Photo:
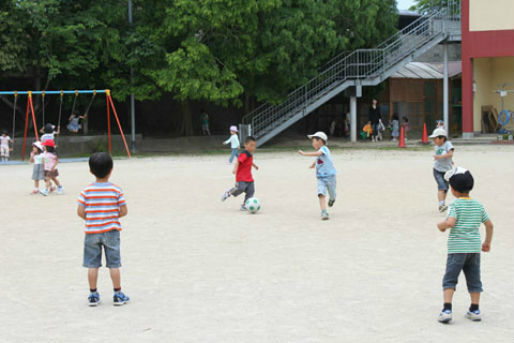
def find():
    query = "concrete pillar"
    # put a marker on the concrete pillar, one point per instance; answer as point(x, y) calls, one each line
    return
point(353, 118)
point(446, 91)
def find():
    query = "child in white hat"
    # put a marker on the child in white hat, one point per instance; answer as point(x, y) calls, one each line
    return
point(442, 163)
point(234, 143)
point(325, 171)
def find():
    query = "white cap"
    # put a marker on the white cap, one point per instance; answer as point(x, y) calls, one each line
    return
point(38, 145)
point(319, 134)
point(439, 132)
point(456, 170)
point(233, 128)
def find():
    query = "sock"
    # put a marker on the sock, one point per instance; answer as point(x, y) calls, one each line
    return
point(447, 306)
point(441, 202)
point(473, 307)
point(117, 289)
point(92, 290)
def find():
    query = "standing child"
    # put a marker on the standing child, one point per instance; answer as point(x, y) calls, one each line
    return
point(50, 166)
point(101, 205)
point(464, 243)
point(243, 172)
point(234, 143)
point(325, 171)
point(395, 126)
point(4, 146)
point(442, 163)
point(38, 172)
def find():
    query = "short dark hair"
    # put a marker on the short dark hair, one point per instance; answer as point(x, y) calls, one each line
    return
point(249, 139)
point(443, 137)
point(462, 183)
point(100, 164)
point(49, 128)
point(51, 149)
point(319, 139)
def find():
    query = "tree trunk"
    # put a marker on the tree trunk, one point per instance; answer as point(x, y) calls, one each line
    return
point(186, 120)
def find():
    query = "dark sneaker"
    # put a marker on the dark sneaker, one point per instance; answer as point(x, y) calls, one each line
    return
point(331, 202)
point(442, 208)
point(120, 299)
point(93, 299)
point(445, 316)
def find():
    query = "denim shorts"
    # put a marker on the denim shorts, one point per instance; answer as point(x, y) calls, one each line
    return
point(93, 245)
point(327, 184)
point(442, 184)
point(469, 263)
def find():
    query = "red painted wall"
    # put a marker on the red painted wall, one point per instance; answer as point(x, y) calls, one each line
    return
point(477, 44)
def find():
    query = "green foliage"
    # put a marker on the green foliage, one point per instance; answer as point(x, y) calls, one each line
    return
point(210, 50)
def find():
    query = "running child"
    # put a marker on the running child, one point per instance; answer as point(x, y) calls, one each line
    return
point(243, 172)
point(37, 158)
point(464, 243)
point(101, 205)
point(325, 171)
point(5, 148)
point(442, 163)
point(234, 143)
point(50, 161)
point(49, 132)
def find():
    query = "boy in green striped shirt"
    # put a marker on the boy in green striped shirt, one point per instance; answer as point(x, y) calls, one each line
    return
point(465, 217)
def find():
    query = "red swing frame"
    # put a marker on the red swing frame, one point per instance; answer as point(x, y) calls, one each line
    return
point(110, 105)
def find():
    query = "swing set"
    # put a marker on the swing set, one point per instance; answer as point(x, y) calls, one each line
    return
point(61, 93)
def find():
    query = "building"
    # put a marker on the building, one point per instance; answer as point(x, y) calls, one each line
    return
point(487, 60)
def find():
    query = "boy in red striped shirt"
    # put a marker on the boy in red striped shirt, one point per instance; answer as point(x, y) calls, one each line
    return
point(101, 205)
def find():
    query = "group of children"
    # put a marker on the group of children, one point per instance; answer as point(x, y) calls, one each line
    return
point(464, 219)
point(45, 160)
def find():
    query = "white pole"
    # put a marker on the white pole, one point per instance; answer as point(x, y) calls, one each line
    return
point(445, 89)
point(353, 118)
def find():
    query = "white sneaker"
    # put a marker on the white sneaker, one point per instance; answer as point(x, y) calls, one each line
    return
point(474, 316)
point(44, 192)
point(324, 215)
point(225, 196)
point(445, 316)
point(60, 189)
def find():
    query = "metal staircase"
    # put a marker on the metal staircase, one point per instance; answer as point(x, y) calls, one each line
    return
point(362, 67)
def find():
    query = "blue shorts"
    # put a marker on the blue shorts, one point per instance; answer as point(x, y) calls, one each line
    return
point(442, 184)
point(327, 184)
point(93, 245)
point(469, 263)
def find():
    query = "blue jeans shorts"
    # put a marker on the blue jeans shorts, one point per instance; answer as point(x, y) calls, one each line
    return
point(442, 184)
point(327, 184)
point(108, 241)
point(469, 263)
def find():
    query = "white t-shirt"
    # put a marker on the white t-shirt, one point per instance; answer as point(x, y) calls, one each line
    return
point(234, 141)
point(4, 141)
point(38, 159)
point(47, 136)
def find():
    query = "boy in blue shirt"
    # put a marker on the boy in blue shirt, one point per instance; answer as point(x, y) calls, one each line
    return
point(325, 171)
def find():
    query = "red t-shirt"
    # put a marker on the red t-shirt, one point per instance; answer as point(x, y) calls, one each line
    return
point(244, 169)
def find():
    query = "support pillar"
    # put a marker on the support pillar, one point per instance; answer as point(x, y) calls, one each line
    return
point(353, 118)
point(446, 91)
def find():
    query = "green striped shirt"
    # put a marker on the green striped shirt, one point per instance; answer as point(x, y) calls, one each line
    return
point(465, 235)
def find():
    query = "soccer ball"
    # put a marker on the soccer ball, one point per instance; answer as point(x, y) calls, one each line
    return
point(253, 205)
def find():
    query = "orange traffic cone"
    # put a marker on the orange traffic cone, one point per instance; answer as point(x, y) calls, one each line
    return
point(424, 138)
point(401, 143)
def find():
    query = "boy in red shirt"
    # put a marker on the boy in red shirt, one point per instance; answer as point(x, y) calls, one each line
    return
point(243, 172)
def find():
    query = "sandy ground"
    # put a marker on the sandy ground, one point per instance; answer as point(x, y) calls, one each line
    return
point(199, 270)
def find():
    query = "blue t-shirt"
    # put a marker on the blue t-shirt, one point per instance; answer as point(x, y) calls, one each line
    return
point(324, 164)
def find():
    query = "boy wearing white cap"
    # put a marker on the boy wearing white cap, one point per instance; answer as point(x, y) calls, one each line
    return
point(442, 163)
point(325, 171)
point(234, 143)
